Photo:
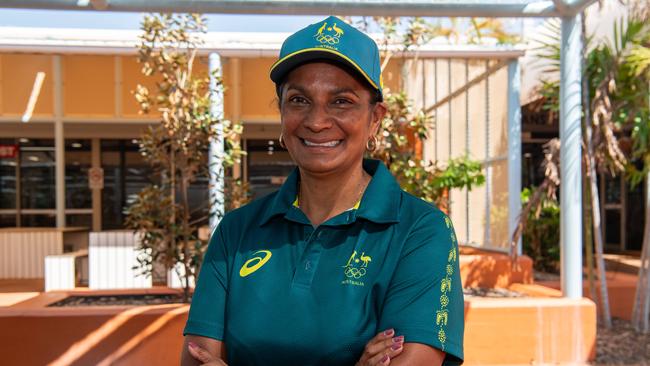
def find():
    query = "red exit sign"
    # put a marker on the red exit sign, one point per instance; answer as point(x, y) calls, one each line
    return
point(8, 151)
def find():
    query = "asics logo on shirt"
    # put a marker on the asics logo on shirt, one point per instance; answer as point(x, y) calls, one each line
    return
point(260, 258)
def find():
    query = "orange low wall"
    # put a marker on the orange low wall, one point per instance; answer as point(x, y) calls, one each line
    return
point(529, 331)
point(621, 288)
point(490, 270)
point(498, 331)
point(146, 335)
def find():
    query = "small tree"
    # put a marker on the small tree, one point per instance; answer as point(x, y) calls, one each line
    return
point(177, 147)
point(430, 181)
point(403, 126)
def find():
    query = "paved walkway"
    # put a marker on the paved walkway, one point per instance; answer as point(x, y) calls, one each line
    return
point(628, 263)
point(19, 290)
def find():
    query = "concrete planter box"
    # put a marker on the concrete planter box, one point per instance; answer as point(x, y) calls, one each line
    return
point(541, 329)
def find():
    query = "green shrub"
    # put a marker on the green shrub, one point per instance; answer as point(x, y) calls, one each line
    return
point(541, 237)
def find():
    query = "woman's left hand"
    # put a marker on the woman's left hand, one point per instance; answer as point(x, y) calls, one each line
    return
point(204, 356)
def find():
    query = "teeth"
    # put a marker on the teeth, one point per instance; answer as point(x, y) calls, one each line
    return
point(324, 144)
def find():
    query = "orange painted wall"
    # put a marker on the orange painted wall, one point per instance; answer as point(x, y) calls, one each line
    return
point(258, 100)
point(17, 74)
point(88, 85)
point(131, 77)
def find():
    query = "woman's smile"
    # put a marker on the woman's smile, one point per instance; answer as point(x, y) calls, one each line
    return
point(327, 143)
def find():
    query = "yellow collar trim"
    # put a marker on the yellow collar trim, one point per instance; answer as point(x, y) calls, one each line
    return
point(296, 203)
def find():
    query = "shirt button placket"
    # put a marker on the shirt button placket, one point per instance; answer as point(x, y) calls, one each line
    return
point(310, 257)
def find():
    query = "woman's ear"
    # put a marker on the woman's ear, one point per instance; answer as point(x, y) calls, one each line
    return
point(378, 114)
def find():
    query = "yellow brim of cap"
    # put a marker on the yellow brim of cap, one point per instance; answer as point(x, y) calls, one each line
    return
point(319, 49)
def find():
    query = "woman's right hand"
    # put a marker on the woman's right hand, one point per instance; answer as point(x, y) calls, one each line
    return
point(381, 349)
point(204, 356)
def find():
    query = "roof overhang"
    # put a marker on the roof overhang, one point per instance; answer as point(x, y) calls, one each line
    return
point(227, 44)
point(423, 8)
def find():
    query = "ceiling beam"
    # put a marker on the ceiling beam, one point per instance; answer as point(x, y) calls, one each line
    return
point(425, 8)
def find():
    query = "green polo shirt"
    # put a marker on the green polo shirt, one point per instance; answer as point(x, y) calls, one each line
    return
point(279, 291)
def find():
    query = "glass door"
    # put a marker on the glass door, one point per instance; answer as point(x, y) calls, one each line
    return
point(613, 192)
point(267, 165)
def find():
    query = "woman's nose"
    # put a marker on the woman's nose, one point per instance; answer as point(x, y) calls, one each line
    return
point(318, 118)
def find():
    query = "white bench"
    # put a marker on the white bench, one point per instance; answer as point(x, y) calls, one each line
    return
point(112, 256)
point(66, 271)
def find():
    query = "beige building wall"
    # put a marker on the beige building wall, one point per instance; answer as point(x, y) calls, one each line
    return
point(469, 121)
point(98, 102)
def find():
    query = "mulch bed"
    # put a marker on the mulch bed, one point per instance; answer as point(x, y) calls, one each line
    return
point(156, 299)
point(622, 345)
point(491, 292)
point(96, 300)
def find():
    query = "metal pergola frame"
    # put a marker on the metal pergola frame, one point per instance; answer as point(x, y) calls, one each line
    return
point(570, 81)
point(424, 8)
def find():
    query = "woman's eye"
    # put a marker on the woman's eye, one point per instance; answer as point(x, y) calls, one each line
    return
point(299, 100)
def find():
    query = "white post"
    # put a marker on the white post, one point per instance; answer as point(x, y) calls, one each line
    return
point(216, 154)
point(514, 149)
point(59, 142)
point(570, 158)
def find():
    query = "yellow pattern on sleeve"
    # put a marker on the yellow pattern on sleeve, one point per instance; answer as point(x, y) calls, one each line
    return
point(445, 286)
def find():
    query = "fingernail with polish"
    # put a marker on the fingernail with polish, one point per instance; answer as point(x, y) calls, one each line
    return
point(398, 339)
point(396, 346)
point(192, 344)
point(384, 359)
point(389, 332)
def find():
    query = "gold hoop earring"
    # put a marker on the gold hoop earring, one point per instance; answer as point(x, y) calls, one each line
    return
point(281, 139)
point(371, 144)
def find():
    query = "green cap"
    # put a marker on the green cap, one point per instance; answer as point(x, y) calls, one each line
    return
point(330, 39)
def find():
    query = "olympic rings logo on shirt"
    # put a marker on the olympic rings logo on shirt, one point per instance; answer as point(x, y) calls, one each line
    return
point(353, 272)
point(326, 38)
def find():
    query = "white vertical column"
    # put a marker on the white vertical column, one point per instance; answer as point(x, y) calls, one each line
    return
point(59, 141)
point(216, 154)
point(435, 112)
point(514, 148)
point(234, 95)
point(570, 158)
point(488, 164)
point(96, 162)
point(117, 85)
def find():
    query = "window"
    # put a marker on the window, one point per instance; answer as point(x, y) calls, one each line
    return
point(77, 163)
point(125, 174)
point(8, 165)
point(37, 174)
point(268, 166)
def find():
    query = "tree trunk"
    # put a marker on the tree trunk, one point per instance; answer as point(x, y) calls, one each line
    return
point(598, 232)
point(595, 201)
point(588, 228)
point(171, 262)
point(641, 309)
point(186, 240)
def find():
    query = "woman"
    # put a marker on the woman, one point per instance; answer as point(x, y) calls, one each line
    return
point(340, 266)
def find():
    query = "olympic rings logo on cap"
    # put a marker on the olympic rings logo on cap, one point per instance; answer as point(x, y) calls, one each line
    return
point(326, 38)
